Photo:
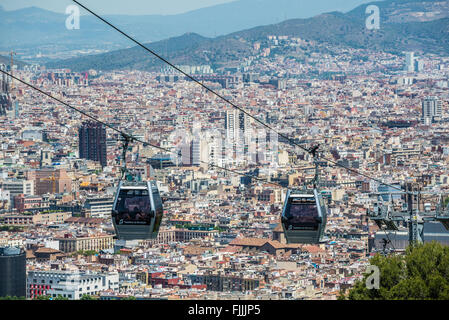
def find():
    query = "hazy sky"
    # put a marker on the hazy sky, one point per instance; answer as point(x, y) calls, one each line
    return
point(130, 7)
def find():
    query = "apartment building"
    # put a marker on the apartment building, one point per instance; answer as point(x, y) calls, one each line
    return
point(71, 285)
point(182, 235)
point(96, 242)
point(17, 187)
point(24, 202)
point(40, 218)
point(98, 207)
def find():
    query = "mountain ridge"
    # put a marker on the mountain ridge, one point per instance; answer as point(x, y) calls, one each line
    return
point(347, 29)
point(35, 28)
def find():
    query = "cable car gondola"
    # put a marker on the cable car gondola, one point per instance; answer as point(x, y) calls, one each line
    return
point(304, 215)
point(137, 210)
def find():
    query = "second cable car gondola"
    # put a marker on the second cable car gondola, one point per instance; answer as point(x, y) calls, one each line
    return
point(304, 215)
point(137, 210)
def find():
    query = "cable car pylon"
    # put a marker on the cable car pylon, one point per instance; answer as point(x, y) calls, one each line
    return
point(388, 219)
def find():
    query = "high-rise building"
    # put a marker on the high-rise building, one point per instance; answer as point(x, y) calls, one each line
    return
point(238, 135)
point(4, 79)
point(12, 272)
point(419, 65)
point(236, 124)
point(432, 110)
point(194, 152)
point(16, 110)
point(5, 98)
point(186, 154)
point(215, 149)
point(410, 61)
point(92, 142)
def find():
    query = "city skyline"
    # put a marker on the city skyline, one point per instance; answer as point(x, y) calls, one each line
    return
point(267, 164)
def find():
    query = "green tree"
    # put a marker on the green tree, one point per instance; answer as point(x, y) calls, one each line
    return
point(421, 274)
point(87, 252)
point(12, 298)
point(11, 228)
point(43, 298)
point(87, 297)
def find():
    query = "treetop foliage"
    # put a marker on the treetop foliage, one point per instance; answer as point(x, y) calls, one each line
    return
point(421, 274)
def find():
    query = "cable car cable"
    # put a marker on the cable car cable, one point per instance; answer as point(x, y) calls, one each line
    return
point(131, 138)
point(226, 100)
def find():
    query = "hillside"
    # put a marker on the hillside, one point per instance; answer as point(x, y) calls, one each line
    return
point(7, 61)
point(38, 29)
point(333, 28)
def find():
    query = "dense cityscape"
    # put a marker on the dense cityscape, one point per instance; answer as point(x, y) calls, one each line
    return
point(221, 237)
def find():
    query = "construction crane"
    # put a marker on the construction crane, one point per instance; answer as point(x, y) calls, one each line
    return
point(53, 179)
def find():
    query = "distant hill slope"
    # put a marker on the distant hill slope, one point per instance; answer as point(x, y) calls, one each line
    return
point(334, 28)
point(35, 27)
point(400, 11)
point(7, 61)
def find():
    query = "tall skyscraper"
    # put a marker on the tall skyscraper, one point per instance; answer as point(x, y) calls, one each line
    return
point(419, 65)
point(92, 142)
point(5, 98)
point(432, 110)
point(194, 152)
point(12, 272)
point(410, 61)
point(236, 124)
point(238, 134)
point(16, 109)
point(186, 152)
